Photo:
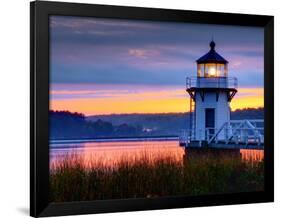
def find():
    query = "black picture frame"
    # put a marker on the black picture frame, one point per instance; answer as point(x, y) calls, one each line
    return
point(39, 107)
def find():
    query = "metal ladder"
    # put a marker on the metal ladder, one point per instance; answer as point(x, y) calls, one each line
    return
point(192, 118)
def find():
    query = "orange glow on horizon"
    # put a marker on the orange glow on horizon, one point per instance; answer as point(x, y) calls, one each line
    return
point(248, 98)
point(171, 101)
point(105, 106)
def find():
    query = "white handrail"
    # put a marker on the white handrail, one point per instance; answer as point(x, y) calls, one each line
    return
point(236, 131)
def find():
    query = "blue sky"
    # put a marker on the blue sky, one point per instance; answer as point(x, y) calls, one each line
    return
point(105, 66)
point(111, 51)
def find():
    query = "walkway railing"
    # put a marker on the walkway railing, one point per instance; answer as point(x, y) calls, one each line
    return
point(211, 82)
point(243, 132)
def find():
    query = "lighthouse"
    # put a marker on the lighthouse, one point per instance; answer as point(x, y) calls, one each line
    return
point(211, 92)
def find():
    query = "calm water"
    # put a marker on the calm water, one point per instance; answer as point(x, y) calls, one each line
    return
point(111, 152)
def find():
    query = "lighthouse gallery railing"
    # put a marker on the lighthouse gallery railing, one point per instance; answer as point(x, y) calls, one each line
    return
point(243, 132)
point(211, 82)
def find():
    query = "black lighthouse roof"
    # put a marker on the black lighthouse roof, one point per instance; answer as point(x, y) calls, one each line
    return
point(212, 56)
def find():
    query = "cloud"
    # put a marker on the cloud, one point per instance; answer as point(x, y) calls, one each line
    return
point(87, 50)
point(113, 91)
point(111, 98)
point(143, 53)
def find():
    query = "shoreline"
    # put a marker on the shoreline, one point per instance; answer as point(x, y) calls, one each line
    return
point(117, 139)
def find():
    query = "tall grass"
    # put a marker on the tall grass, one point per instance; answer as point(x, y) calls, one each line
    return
point(70, 180)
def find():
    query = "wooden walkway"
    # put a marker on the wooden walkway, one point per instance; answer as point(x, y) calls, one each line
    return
point(235, 134)
point(224, 146)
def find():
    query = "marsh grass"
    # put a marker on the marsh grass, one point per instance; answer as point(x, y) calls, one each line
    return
point(144, 177)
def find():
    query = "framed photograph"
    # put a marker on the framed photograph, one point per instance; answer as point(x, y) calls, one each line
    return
point(142, 109)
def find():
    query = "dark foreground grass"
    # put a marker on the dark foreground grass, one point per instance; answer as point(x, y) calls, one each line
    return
point(70, 181)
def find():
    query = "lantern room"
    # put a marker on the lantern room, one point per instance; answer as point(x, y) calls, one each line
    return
point(210, 95)
point(212, 64)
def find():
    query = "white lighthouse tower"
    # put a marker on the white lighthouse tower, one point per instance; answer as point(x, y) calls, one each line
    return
point(210, 92)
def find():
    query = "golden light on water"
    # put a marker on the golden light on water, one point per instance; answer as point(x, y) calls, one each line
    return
point(109, 154)
point(255, 155)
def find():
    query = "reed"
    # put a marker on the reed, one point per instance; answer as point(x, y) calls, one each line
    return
point(70, 180)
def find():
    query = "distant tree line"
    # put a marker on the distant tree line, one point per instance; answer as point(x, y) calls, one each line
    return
point(248, 113)
point(68, 125)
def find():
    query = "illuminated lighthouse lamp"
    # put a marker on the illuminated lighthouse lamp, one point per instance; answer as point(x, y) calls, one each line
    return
point(212, 64)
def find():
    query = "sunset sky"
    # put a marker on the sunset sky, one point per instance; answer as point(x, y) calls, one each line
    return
point(106, 66)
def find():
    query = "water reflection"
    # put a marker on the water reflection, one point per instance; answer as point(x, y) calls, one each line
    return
point(108, 154)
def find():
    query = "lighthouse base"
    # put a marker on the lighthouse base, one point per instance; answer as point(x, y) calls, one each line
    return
point(197, 144)
point(211, 153)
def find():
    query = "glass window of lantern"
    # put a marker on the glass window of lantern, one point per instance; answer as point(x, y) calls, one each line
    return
point(200, 70)
point(221, 70)
point(210, 70)
point(225, 70)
